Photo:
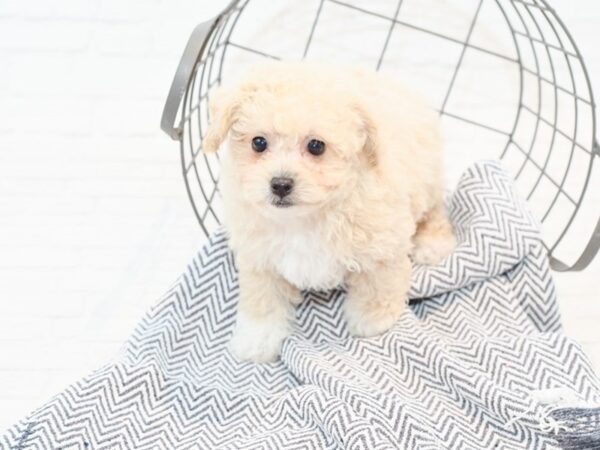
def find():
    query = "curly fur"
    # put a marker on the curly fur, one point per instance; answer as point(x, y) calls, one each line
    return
point(359, 212)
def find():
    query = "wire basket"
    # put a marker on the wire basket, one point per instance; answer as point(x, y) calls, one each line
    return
point(505, 75)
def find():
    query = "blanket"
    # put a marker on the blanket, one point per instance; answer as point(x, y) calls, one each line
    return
point(478, 360)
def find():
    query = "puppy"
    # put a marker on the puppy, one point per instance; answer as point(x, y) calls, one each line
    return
point(329, 177)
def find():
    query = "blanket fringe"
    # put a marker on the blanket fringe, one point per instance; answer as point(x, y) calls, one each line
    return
point(563, 414)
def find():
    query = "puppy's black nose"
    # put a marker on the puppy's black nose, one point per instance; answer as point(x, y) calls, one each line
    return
point(281, 186)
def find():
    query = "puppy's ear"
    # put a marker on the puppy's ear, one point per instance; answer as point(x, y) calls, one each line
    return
point(222, 107)
point(369, 131)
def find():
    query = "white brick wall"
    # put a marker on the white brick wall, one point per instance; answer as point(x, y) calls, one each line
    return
point(94, 220)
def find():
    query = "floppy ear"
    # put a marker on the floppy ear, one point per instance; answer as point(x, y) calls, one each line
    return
point(222, 108)
point(369, 131)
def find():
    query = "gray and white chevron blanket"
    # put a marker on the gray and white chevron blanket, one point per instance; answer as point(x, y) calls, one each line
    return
point(479, 360)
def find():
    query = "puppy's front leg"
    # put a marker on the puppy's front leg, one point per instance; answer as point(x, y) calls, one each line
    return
point(377, 298)
point(264, 313)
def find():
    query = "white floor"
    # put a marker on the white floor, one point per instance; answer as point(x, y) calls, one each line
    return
point(94, 220)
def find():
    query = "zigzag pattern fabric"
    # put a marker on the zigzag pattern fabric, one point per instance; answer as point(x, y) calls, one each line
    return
point(459, 370)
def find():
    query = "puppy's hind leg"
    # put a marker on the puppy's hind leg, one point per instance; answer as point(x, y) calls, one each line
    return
point(264, 313)
point(434, 238)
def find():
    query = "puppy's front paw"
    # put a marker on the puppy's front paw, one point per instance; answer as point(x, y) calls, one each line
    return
point(366, 320)
point(433, 251)
point(258, 340)
point(376, 299)
point(434, 239)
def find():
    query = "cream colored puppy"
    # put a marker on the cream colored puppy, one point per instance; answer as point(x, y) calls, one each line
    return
point(329, 177)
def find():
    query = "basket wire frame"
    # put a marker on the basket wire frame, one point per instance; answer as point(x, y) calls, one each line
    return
point(535, 30)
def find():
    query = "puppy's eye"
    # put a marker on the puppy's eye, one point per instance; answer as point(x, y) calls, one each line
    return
point(316, 147)
point(259, 144)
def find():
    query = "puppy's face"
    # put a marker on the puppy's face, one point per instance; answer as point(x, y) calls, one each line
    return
point(295, 144)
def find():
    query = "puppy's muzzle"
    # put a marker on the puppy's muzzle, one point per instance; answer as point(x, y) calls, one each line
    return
point(281, 186)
